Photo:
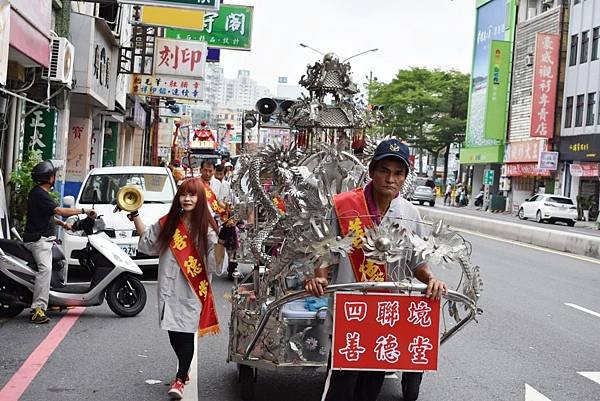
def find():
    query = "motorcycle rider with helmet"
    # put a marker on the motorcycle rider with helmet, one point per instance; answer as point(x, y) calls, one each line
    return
point(39, 233)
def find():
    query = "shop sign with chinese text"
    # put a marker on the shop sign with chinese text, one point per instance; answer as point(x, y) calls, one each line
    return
point(545, 76)
point(40, 132)
point(167, 86)
point(385, 332)
point(207, 5)
point(181, 58)
point(524, 151)
point(78, 152)
point(584, 147)
point(230, 28)
point(584, 170)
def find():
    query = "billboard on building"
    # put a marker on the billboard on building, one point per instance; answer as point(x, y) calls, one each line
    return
point(545, 78)
point(167, 86)
point(40, 131)
point(172, 17)
point(207, 5)
point(490, 25)
point(230, 28)
point(180, 58)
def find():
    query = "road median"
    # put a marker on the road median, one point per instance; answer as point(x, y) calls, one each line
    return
point(579, 244)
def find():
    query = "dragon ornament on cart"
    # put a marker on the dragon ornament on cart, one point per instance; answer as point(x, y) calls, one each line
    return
point(285, 195)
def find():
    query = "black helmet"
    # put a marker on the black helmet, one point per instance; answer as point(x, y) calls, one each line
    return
point(43, 172)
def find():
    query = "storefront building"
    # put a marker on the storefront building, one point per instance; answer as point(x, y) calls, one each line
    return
point(579, 145)
point(536, 99)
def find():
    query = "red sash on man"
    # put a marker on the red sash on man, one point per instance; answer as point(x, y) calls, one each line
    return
point(279, 204)
point(353, 216)
point(192, 267)
point(214, 203)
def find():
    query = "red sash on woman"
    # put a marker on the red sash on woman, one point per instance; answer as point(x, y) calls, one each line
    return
point(192, 267)
point(353, 216)
point(214, 203)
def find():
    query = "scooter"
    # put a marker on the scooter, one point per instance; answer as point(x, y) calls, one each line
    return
point(479, 199)
point(112, 274)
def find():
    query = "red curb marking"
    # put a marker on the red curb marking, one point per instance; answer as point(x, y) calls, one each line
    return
point(19, 382)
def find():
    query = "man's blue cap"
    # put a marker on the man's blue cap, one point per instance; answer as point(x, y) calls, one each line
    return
point(392, 148)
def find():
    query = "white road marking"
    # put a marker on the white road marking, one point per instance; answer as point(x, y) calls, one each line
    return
point(593, 376)
point(525, 245)
point(532, 394)
point(581, 308)
point(190, 392)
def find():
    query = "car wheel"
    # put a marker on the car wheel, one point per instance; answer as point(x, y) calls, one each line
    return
point(521, 214)
point(432, 203)
point(538, 217)
point(570, 223)
point(421, 203)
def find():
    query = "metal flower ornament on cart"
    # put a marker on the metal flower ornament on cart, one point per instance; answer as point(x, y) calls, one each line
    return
point(385, 243)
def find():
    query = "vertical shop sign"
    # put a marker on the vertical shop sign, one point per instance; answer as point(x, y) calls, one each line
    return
point(497, 95)
point(78, 149)
point(40, 132)
point(545, 76)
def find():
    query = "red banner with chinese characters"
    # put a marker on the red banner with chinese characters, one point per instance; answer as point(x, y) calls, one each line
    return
point(526, 170)
point(385, 332)
point(545, 76)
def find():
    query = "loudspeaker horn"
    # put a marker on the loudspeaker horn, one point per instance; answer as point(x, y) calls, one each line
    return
point(266, 106)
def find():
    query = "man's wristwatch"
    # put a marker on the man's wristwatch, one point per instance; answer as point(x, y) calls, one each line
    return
point(82, 211)
point(132, 215)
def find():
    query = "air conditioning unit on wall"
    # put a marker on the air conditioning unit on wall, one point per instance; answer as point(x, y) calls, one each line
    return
point(61, 62)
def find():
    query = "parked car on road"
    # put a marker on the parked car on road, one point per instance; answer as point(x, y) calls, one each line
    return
point(424, 194)
point(100, 188)
point(549, 208)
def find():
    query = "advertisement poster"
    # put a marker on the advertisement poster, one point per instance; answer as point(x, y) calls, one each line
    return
point(548, 161)
point(230, 28)
point(497, 93)
point(545, 78)
point(385, 332)
point(491, 25)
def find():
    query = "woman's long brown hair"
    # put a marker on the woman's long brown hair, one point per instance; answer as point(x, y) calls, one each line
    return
point(201, 217)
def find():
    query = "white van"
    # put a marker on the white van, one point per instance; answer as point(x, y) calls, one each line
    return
point(100, 188)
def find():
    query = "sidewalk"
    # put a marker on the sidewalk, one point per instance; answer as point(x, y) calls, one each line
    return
point(583, 239)
point(582, 227)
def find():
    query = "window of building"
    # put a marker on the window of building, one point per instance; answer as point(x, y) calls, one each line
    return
point(573, 56)
point(585, 41)
point(579, 111)
point(569, 112)
point(595, 43)
point(591, 101)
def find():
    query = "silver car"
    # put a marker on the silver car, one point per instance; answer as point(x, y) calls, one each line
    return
point(424, 194)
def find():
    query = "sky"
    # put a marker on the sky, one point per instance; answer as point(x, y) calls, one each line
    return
point(408, 33)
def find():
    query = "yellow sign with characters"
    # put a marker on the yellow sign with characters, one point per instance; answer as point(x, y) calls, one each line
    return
point(173, 17)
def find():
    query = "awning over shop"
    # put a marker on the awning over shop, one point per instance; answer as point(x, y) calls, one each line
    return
point(584, 170)
point(30, 23)
point(525, 170)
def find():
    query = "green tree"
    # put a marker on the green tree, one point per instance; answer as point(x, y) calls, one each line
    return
point(425, 107)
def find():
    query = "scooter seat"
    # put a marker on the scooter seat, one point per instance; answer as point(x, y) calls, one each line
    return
point(16, 248)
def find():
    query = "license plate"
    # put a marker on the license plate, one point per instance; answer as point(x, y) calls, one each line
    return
point(130, 250)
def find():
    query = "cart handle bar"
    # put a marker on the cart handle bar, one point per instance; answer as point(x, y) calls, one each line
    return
point(404, 286)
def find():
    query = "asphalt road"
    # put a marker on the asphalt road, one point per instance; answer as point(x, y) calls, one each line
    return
point(527, 335)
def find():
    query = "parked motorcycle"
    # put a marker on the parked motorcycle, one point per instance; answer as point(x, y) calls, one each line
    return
point(478, 202)
point(112, 275)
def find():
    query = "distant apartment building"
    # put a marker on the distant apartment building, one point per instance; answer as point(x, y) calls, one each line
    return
point(580, 135)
